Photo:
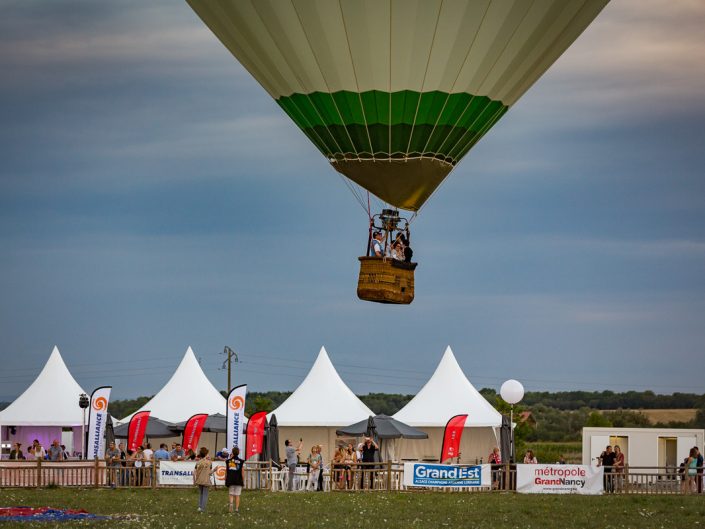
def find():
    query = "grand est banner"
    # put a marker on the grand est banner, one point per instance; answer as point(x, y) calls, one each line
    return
point(435, 475)
point(559, 479)
point(181, 472)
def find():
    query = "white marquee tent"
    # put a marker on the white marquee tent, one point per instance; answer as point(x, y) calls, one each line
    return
point(321, 404)
point(47, 406)
point(447, 393)
point(187, 393)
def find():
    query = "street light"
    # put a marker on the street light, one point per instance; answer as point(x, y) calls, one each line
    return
point(512, 392)
point(83, 403)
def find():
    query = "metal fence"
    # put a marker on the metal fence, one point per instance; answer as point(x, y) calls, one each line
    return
point(382, 476)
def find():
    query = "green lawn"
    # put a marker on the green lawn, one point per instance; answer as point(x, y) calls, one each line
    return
point(176, 508)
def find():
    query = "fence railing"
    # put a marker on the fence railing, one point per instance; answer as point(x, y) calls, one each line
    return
point(378, 476)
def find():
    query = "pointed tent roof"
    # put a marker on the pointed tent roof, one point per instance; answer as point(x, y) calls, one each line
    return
point(447, 393)
point(188, 392)
point(51, 400)
point(322, 399)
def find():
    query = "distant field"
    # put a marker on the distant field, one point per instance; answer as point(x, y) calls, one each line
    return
point(176, 509)
point(656, 416)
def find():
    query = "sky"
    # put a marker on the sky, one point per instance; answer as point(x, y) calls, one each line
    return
point(142, 211)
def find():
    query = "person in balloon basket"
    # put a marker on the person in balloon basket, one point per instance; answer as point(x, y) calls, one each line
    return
point(202, 477)
point(234, 479)
point(378, 244)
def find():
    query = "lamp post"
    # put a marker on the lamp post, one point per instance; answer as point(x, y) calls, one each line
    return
point(512, 392)
point(83, 403)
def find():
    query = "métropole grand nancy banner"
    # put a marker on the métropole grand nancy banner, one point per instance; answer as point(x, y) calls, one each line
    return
point(434, 475)
point(559, 479)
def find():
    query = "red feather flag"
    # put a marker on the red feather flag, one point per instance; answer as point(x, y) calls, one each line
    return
point(136, 429)
point(255, 434)
point(192, 431)
point(451, 437)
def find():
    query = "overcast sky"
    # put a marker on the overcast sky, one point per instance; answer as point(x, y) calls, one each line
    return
point(142, 211)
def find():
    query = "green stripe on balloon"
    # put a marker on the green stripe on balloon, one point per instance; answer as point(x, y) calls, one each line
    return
point(430, 124)
point(433, 123)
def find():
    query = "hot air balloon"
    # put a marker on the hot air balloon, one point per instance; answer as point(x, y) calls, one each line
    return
point(395, 92)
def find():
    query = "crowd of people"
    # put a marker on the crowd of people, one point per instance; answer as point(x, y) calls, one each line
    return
point(345, 465)
point(55, 452)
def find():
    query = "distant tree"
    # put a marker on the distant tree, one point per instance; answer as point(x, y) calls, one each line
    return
point(596, 419)
point(122, 408)
point(699, 421)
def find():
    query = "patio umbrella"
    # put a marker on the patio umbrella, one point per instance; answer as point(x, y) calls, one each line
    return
point(264, 456)
point(505, 439)
point(109, 431)
point(214, 423)
point(273, 439)
point(155, 428)
point(382, 427)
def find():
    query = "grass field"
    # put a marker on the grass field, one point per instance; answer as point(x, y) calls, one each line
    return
point(665, 416)
point(176, 508)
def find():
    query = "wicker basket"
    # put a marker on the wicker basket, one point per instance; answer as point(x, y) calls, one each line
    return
point(384, 280)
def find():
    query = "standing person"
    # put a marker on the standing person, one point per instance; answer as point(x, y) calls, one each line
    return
point(690, 472)
point(699, 478)
point(112, 463)
point(349, 460)
point(177, 454)
point(162, 453)
point(314, 464)
point(618, 469)
point(124, 476)
point(369, 447)
point(337, 472)
point(530, 458)
point(291, 460)
point(37, 450)
point(148, 459)
point(16, 452)
point(495, 459)
point(202, 477)
point(234, 479)
point(138, 462)
point(55, 452)
point(607, 459)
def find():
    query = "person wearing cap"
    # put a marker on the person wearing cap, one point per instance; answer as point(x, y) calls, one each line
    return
point(223, 455)
point(378, 244)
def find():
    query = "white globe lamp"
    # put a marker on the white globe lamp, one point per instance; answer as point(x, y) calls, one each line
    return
point(512, 392)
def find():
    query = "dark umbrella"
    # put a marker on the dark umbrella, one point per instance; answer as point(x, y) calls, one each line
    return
point(382, 427)
point(109, 431)
point(273, 439)
point(505, 439)
point(214, 423)
point(264, 456)
point(155, 428)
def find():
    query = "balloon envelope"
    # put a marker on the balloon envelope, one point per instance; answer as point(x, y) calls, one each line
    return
point(395, 92)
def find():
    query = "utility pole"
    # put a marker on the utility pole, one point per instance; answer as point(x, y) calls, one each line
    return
point(228, 361)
